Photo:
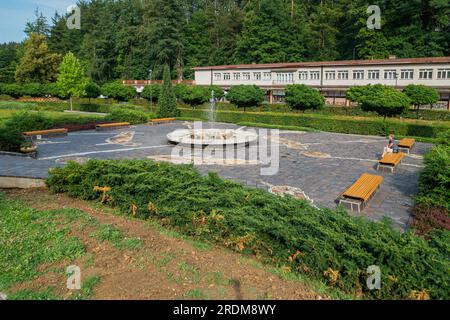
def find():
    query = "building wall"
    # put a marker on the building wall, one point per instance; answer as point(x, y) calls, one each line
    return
point(207, 77)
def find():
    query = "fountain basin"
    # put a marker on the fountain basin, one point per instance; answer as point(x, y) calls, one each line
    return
point(211, 137)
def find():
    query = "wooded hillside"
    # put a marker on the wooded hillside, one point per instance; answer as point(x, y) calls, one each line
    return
point(123, 39)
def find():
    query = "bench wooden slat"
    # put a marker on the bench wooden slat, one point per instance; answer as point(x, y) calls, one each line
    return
point(364, 187)
point(109, 125)
point(392, 159)
point(406, 143)
point(162, 120)
point(44, 132)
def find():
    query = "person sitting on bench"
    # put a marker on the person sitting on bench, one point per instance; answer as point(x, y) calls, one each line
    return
point(391, 145)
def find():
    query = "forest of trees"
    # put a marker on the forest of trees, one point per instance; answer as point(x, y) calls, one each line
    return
point(124, 39)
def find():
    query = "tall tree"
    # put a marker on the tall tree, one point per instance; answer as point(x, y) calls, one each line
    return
point(62, 39)
point(324, 19)
point(38, 63)
point(164, 24)
point(261, 39)
point(167, 102)
point(39, 25)
point(9, 58)
point(72, 79)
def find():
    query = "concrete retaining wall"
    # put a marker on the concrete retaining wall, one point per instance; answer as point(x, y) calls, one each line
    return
point(20, 183)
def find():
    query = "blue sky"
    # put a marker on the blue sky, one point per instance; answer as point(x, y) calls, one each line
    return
point(14, 14)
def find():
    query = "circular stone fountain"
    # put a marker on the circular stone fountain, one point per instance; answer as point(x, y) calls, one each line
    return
point(211, 137)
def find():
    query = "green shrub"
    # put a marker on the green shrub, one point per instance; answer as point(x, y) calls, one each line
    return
point(385, 101)
point(6, 97)
point(33, 90)
point(127, 115)
point(434, 182)
point(301, 97)
point(320, 242)
point(196, 95)
point(432, 205)
point(180, 90)
point(245, 96)
point(421, 95)
point(218, 92)
point(118, 91)
point(28, 121)
point(10, 140)
point(151, 92)
point(92, 90)
point(360, 93)
point(53, 90)
point(13, 90)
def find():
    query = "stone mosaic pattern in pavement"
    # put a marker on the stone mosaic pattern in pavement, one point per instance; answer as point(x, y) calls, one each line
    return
point(321, 164)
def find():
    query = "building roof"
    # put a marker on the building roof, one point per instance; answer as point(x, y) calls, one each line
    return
point(343, 63)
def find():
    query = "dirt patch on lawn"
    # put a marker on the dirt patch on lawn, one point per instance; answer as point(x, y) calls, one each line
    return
point(163, 266)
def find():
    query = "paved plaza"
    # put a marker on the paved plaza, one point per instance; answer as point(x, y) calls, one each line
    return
point(320, 164)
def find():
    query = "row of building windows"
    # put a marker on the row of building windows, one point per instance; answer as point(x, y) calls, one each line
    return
point(288, 77)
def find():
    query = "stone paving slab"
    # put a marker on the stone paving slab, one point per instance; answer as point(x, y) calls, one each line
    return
point(321, 164)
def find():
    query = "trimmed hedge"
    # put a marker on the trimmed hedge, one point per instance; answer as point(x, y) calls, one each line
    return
point(321, 243)
point(365, 126)
point(30, 121)
point(423, 114)
point(432, 207)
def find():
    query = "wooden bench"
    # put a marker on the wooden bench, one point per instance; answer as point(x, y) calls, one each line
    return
point(390, 160)
point(361, 191)
point(406, 144)
point(39, 134)
point(111, 126)
point(162, 120)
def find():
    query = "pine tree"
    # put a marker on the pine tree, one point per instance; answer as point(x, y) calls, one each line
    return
point(39, 25)
point(167, 104)
point(8, 61)
point(261, 39)
point(37, 64)
point(164, 25)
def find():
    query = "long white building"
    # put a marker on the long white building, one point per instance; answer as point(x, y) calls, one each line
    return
point(332, 78)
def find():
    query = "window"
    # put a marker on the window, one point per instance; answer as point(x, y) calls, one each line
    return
point(330, 75)
point(217, 76)
point(406, 74)
point(343, 75)
point(236, 76)
point(358, 74)
point(246, 76)
point(226, 76)
point(267, 76)
point(443, 74)
point(303, 75)
point(257, 75)
point(390, 74)
point(425, 74)
point(314, 75)
point(373, 74)
point(285, 77)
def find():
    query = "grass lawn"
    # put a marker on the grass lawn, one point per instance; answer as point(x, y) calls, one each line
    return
point(38, 245)
point(30, 239)
point(4, 114)
point(122, 257)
